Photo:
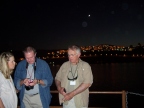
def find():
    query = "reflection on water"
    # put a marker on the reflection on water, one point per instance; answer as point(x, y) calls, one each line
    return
point(114, 76)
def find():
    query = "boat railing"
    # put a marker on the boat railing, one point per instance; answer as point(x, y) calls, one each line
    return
point(122, 93)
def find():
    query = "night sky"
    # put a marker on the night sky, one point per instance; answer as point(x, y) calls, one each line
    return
point(55, 24)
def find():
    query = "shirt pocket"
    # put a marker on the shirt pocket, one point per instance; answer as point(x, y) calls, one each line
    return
point(39, 74)
point(80, 75)
point(64, 73)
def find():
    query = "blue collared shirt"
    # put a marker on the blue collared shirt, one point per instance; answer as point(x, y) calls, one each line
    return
point(42, 72)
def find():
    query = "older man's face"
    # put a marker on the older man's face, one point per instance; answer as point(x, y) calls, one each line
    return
point(30, 57)
point(73, 56)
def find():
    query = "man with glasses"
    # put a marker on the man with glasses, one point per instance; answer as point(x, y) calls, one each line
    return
point(73, 80)
point(33, 79)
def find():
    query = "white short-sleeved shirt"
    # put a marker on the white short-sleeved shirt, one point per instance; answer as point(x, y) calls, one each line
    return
point(8, 92)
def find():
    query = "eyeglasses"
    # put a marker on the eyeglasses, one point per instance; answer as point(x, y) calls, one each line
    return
point(72, 55)
point(74, 78)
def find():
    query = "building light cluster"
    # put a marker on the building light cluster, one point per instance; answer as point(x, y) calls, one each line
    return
point(97, 50)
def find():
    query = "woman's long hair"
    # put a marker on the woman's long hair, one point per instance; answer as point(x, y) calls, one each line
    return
point(4, 58)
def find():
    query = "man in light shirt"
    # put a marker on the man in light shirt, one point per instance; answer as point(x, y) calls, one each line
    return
point(73, 80)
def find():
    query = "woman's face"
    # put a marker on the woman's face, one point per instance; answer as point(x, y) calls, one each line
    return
point(11, 63)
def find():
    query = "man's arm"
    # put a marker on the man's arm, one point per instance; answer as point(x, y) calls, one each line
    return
point(59, 88)
point(58, 84)
point(47, 78)
point(17, 80)
point(81, 88)
point(78, 90)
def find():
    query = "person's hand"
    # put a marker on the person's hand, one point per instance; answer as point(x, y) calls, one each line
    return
point(61, 91)
point(26, 82)
point(68, 96)
point(33, 82)
point(16, 90)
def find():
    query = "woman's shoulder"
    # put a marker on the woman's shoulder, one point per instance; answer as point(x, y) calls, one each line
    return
point(1, 73)
point(1, 76)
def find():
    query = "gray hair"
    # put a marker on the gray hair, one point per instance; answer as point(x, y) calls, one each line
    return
point(76, 48)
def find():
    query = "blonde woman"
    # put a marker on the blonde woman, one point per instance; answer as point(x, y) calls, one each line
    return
point(8, 97)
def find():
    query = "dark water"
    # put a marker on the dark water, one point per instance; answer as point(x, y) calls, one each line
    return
point(113, 77)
